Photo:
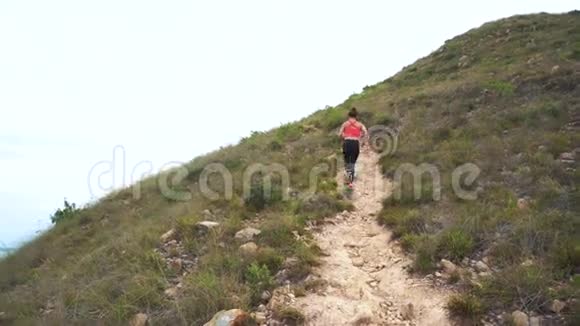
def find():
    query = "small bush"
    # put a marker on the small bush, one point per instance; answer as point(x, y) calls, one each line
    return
point(505, 253)
point(330, 118)
point(465, 306)
point(260, 196)
point(454, 277)
point(403, 221)
point(68, 212)
point(525, 286)
point(503, 88)
point(404, 191)
point(424, 261)
point(271, 258)
point(185, 226)
point(320, 206)
point(259, 279)
point(307, 257)
point(289, 315)
point(288, 132)
point(455, 244)
point(409, 242)
point(223, 262)
point(277, 232)
point(206, 293)
point(275, 146)
point(565, 255)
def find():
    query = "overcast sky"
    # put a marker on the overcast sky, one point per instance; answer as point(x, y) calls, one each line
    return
point(169, 80)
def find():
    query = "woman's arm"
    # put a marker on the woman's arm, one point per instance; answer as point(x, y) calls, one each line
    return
point(341, 129)
point(365, 134)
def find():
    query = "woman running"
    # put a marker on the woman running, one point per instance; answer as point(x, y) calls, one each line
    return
point(352, 133)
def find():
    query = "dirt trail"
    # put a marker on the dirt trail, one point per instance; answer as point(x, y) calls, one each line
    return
point(366, 280)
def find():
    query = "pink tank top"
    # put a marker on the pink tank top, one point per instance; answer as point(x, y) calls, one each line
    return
point(352, 130)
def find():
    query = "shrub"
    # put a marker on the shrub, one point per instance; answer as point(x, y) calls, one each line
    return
point(288, 132)
point(185, 226)
point(271, 258)
point(391, 216)
point(277, 232)
point(223, 263)
point(409, 242)
point(454, 277)
point(260, 197)
point(455, 244)
point(503, 88)
point(465, 306)
point(404, 191)
point(307, 257)
point(565, 254)
point(330, 118)
point(414, 222)
point(424, 261)
point(206, 293)
point(505, 253)
point(68, 212)
point(289, 315)
point(259, 279)
point(403, 221)
point(525, 286)
point(275, 146)
point(320, 206)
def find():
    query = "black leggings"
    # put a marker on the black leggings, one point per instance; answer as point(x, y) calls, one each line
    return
point(350, 149)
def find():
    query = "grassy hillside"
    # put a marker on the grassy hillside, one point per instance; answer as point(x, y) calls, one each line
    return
point(504, 97)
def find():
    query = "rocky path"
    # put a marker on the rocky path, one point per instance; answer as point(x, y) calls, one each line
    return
point(364, 272)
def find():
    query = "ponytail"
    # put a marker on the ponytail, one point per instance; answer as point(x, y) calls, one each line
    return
point(353, 113)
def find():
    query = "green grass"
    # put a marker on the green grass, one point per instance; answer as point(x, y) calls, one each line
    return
point(455, 244)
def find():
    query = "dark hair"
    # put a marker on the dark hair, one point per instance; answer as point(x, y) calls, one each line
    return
point(353, 113)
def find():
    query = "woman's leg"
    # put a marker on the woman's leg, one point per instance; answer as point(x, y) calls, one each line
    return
point(355, 153)
point(350, 156)
point(347, 157)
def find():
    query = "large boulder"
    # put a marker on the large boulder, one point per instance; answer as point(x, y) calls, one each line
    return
point(247, 234)
point(232, 317)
